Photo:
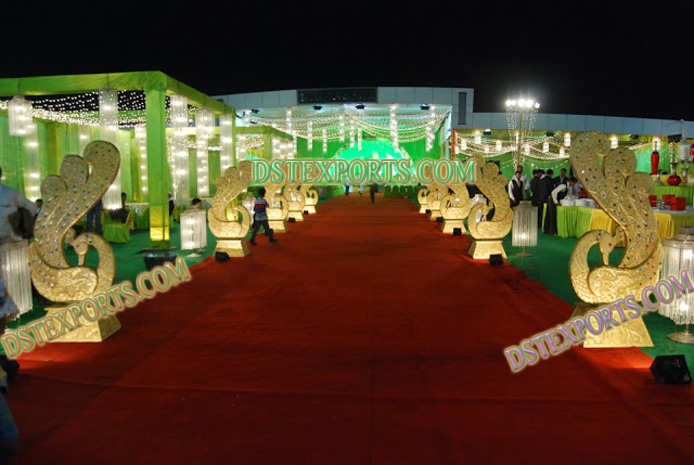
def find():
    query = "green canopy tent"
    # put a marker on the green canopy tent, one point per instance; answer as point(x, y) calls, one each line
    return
point(156, 86)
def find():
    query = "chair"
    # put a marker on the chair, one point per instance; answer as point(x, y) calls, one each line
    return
point(117, 232)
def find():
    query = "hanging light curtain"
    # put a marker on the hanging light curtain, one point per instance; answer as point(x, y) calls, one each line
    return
point(141, 142)
point(240, 147)
point(226, 142)
point(19, 115)
point(341, 120)
point(325, 141)
point(359, 139)
point(309, 138)
point(351, 133)
point(204, 123)
point(84, 137)
point(393, 126)
point(32, 166)
point(108, 121)
point(180, 150)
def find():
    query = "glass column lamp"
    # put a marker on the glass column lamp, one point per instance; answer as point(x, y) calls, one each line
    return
point(679, 254)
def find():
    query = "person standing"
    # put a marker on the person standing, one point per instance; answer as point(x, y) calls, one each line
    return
point(9, 435)
point(561, 179)
point(260, 218)
point(347, 186)
point(11, 201)
point(372, 191)
point(362, 188)
point(544, 194)
point(516, 189)
point(94, 217)
point(558, 193)
point(524, 179)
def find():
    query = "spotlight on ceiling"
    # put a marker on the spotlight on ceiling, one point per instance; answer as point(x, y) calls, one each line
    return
point(635, 137)
point(424, 107)
point(317, 107)
point(255, 110)
point(487, 132)
point(676, 138)
point(549, 134)
point(359, 106)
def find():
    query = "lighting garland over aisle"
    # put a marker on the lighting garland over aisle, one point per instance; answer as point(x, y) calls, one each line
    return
point(397, 123)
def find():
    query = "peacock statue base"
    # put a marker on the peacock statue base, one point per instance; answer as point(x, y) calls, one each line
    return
point(98, 331)
point(232, 247)
point(633, 333)
point(482, 249)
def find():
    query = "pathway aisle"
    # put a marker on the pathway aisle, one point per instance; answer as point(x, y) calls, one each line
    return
point(363, 337)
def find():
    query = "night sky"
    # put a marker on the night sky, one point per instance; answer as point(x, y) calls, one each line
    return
point(631, 59)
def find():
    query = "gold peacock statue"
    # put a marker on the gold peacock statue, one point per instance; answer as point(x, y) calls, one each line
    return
point(229, 230)
point(296, 199)
point(622, 193)
point(422, 196)
point(311, 198)
point(278, 205)
point(436, 191)
point(67, 198)
point(455, 208)
point(487, 235)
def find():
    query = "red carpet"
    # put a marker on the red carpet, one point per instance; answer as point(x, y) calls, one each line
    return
point(363, 337)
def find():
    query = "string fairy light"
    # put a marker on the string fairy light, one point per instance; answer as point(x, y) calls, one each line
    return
point(141, 143)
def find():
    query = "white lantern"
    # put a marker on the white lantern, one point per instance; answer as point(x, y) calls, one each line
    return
point(567, 140)
point(463, 144)
point(679, 257)
point(545, 147)
point(193, 230)
point(478, 137)
point(498, 146)
point(614, 142)
point(19, 115)
point(14, 270)
point(524, 232)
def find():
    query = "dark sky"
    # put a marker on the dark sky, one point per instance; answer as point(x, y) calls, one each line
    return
point(602, 58)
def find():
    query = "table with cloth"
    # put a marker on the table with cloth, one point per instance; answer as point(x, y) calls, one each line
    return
point(576, 221)
point(678, 191)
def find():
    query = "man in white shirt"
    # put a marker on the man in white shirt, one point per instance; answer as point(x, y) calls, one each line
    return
point(10, 201)
point(524, 179)
point(516, 189)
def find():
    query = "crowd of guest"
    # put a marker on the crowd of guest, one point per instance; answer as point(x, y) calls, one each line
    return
point(545, 191)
